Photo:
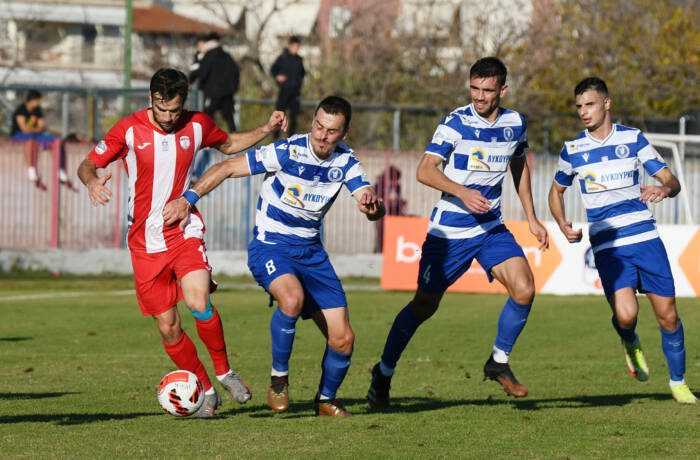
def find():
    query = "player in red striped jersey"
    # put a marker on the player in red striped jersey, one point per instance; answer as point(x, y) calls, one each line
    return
point(158, 145)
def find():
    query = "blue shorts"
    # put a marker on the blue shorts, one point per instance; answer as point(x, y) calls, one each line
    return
point(641, 266)
point(309, 263)
point(443, 260)
point(44, 138)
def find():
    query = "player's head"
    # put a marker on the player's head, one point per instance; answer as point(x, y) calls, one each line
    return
point(168, 95)
point(593, 102)
point(32, 99)
point(294, 44)
point(487, 84)
point(330, 124)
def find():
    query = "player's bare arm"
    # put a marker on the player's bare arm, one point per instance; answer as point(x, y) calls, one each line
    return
point(669, 187)
point(240, 141)
point(430, 174)
point(556, 207)
point(369, 203)
point(521, 179)
point(97, 185)
point(178, 209)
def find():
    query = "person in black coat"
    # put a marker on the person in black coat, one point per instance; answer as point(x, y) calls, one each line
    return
point(217, 75)
point(288, 71)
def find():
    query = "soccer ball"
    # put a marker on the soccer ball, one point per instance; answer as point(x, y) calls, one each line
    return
point(180, 393)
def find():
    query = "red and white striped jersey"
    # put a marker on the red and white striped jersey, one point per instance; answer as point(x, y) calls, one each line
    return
point(158, 165)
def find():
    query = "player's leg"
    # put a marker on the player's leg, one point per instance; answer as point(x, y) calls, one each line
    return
point(193, 271)
point(515, 274)
point(673, 345)
point(656, 280)
point(340, 339)
point(620, 279)
point(183, 353)
point(442, 262)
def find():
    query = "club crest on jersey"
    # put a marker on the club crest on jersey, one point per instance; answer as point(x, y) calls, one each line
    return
point(101, 148)
point(592, 184)
point(508, 133)
point(292, 196)
point(335, 174)
point(622, 151)
point(184, 142)
point(476, 160)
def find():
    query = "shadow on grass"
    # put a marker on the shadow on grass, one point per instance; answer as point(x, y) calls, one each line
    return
point(420, 404)
point(73, 419)
point(15, 339)
point(49, 394)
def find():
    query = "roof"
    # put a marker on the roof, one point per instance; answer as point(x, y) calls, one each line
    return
point(70, 13)
point(160, 20)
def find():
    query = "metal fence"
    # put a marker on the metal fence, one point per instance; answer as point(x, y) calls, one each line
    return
point(61, 217)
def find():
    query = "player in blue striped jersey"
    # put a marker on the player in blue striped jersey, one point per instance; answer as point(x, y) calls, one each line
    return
point(303, 177)
point(605, 160)
point(475, 144)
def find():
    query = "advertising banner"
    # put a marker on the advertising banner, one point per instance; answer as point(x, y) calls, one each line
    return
point(563, 269)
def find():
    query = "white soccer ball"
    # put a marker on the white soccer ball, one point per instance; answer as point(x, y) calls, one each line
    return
point(180, 393)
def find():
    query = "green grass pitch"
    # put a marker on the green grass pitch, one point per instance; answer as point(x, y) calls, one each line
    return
point(79, 366)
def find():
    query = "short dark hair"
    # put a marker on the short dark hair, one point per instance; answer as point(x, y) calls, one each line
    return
point(294, 39)
point(591, 83)
point(336, 105)
point(169, 83)
point(489, 67)
point(32, 95)
point(212, 36)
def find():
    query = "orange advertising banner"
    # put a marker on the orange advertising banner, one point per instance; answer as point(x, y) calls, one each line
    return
point(404, 237)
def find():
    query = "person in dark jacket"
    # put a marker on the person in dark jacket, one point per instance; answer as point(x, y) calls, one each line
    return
point(288, 71)
point(217, 75)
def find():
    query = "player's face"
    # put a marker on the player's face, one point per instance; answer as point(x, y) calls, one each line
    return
point(33, 104)
point(326, 131)
point(166, 113)
point(486, 95)
point(592, 108)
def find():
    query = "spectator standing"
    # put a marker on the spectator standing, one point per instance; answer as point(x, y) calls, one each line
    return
point(217, 76)
point(288, 71)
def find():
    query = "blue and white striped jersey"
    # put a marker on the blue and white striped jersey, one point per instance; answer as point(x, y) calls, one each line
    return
point(608, 178)
point(299, 188)
point(476, 154)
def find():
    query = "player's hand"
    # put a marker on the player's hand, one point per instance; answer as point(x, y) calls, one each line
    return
point(475, 201)
point(98, 191)
point(277, 121)
point(369, 203)
point(176, 211)
point(653, 193)
point(573, 236)
point(540, 232)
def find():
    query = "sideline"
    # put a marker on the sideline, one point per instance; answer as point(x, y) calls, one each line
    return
point(122, 292)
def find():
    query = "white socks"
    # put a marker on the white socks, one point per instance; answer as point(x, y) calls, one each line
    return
point(499, 355)
point(276, 373)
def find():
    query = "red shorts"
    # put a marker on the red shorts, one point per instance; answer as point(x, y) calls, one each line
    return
point(156, 276)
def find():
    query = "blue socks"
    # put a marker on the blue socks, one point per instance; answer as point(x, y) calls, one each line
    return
point(510, 324)
point(627, 335)
point(282, 330)
point(334, 368)
point(402, 330)
point(672, 342)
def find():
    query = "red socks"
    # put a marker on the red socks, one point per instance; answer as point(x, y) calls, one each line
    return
point(212, 334)
point(184, 355)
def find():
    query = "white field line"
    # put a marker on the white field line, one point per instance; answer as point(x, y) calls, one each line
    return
point(44, 295)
